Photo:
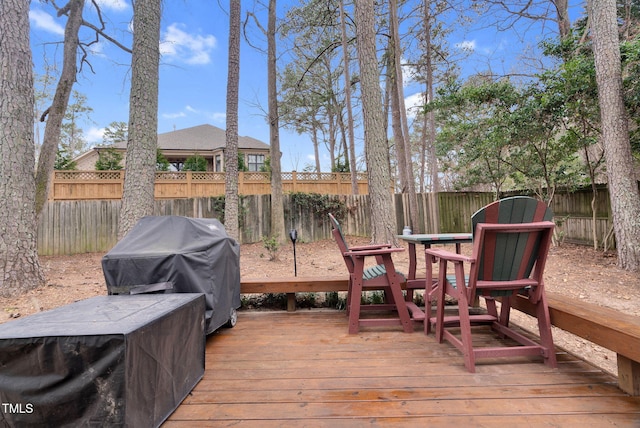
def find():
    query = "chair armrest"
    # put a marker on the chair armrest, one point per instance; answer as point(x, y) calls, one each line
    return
point(448, 255)
point(369, 247)
point(373, 252)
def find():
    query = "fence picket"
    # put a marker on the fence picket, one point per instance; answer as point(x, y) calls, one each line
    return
point(70, 227)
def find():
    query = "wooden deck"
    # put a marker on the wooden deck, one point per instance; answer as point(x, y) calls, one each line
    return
point(302, 369)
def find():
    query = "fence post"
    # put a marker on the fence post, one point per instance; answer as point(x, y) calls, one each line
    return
point(189, 176)
point(240, 183)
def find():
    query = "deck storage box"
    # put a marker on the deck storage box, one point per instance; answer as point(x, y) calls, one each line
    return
point(195, 254)
point(104, 361)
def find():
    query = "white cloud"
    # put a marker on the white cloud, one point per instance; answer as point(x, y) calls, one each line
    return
point(218, 117)
point(173, 115)
point(94, 135)
point(46, 22)
point(409, 72)
point(117, 5)
point(182, 46)
point(413, 104)
point(466, 45)
point(215, 117)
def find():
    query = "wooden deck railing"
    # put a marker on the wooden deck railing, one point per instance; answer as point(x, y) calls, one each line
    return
point(603, 326)
point(83, 185)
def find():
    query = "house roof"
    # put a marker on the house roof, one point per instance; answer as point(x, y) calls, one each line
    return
point(200, 138)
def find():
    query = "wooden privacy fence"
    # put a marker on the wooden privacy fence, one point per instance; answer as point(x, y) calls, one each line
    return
point(88, 185)
point(70, 227)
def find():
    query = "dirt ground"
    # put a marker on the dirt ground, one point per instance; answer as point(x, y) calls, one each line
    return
point(576, 271)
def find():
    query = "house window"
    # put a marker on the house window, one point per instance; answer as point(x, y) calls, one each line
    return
point(218, 163)
point(255, 162)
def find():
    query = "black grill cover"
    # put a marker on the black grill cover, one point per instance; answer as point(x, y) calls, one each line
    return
point(196, 255)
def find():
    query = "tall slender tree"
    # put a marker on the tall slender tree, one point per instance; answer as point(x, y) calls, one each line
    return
point(383, 227)
point(142, 141)
point(56, 112)
point(347, 93)
point(277, 208)
point(623, 187)
point(231, 150)
point(19, 266)
point(404, 140)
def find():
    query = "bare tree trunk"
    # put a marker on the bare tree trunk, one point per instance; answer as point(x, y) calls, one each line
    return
point(410, 184)
point(19, 265)
point(562, 13)
point(138, 193)
point(347, 89)
point(623, 187)
point(316, 151)
point(47, 158)
point(231, 222)
point(277, 209)
point(383, 224)
point(430, 127)
point(396, 123)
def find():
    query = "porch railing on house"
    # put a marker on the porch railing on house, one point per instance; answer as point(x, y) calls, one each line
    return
point(107, 185)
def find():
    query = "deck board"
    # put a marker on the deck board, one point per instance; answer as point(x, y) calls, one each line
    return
point(303, 369)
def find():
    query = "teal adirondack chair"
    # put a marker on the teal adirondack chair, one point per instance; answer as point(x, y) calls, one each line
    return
point(511, 241)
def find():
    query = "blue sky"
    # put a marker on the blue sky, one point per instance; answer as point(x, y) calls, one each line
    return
point(193, 70)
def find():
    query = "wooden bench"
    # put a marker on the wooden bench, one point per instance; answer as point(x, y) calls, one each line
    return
point(606, 327)
point(293, 285)
point(603, 326)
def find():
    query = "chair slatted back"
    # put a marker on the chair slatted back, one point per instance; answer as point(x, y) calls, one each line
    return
point(511, 253)
point(342, 243)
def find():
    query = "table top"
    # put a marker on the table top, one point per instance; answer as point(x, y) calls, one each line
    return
point(437, 238)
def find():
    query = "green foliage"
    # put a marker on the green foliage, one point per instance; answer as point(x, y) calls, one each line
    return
point(109, 160)
point(320, 205)
point(72, 137)
point(342, 165)
point(242, 166)
point(115, 132)
point(266, 167)
point(333, 300)
point(162, 164)
point(64, 161)
point(195, 163)
point(272, 246)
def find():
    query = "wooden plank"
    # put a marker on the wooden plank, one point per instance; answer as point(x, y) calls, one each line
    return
point(303, 368)
point(298, 284)
point(430, 421)
point(408, 409)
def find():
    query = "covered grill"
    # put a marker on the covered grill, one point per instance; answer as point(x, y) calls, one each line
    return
point(194, 255)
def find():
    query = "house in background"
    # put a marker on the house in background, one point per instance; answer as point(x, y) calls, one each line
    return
point(207, 141)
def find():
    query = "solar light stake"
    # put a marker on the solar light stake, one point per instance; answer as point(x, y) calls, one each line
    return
point(293, 234)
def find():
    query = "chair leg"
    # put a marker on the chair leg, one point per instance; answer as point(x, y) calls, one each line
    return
point(355, 296)
point(396, 295)
point(544, 326)
point(428, 311)
point(349, 294)
point(505, 311)
point(440, 291)
point(465, 321)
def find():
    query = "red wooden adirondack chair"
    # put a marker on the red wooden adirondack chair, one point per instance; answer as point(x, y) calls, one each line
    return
point(382, 277)
point(510, 245)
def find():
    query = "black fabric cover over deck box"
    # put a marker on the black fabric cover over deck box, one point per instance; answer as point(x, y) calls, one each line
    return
point(195, 254)
point(104, 361)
